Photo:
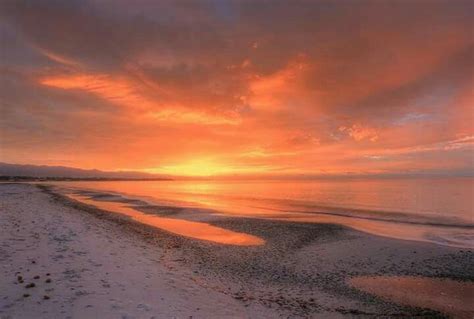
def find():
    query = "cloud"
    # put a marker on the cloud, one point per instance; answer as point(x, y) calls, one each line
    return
point(332, 87)
point(359, 132)
point(127, 94)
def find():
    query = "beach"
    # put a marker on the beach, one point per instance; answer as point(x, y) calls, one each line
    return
point(62, 258)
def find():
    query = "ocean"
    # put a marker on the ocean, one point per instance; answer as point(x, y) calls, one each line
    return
point(437, 210)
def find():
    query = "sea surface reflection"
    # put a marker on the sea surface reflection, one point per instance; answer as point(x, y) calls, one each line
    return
point(196, 230)
point(438, 210)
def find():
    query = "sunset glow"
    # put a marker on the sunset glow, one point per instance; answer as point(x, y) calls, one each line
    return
point(236, 158)
point(202, 167)
point(216, 88)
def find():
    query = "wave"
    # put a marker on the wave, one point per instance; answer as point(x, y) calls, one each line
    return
point(433, 228)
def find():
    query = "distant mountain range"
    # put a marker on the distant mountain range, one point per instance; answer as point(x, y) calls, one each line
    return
point(43, 171)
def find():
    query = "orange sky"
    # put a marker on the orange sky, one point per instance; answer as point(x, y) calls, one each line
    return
point(238, 87)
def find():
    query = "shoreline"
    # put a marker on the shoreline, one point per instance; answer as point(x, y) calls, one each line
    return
point(301, 271)
point(450, 230)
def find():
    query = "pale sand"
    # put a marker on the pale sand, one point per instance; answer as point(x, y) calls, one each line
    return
point(103, 265)
point(96, 270)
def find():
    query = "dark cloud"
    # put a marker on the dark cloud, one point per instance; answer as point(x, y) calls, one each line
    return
point(277, 76)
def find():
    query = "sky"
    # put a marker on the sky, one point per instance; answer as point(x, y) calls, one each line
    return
point(245, 88)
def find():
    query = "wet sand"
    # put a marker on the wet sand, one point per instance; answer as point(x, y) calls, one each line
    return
point(449, 296)
point(105, 265)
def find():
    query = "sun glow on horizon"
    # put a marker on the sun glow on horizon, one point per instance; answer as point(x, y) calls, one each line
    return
point(203, 168)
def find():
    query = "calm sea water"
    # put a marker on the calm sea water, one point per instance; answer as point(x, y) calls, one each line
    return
point(432, 209)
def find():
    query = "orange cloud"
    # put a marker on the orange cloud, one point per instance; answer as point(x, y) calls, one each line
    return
point(130, 95)
point(359, 132)
point(348, 92)
point(274, 91)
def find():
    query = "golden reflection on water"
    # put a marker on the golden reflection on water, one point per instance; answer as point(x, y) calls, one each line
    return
point(196, 230)
point(448, 296)
point(408, 206)
point(439, 197)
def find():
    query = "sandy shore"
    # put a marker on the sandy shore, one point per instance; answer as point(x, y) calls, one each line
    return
point(88, 263)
